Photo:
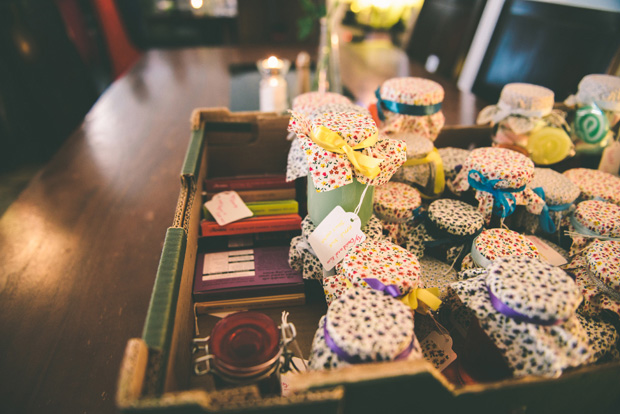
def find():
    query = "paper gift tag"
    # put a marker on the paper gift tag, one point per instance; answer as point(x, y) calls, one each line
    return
point(227, 207)
point(610, 160)
point(287, 377)
point(546, 252)
point(437, 349)
point(336, 234)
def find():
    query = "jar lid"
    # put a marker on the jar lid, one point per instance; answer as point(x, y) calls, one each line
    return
point(437, 274)
point(527, 309)
point(558, 188)
point(455, 217)
point(603, 262)
point(512, 169)
point(244, 340)
point(595, 184)
point(600, 89)
point(396, 200)
point(453, 160)
point(596, 216)
point(417, 146)
point(412, 91)
point(533, 288)
point(308, 102)
point(373, 228)
point(492, 244)
point(382, 260)
point(369, 325)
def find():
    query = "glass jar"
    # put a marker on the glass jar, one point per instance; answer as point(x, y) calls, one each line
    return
point(243, 348)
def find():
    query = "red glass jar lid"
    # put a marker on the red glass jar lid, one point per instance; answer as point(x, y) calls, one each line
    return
point(244, 342)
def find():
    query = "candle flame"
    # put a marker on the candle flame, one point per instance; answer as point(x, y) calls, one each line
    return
point(273, 62)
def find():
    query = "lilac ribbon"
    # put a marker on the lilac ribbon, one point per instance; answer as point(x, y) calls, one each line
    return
point(506, 310)
point(345, 356)
point(376, 284)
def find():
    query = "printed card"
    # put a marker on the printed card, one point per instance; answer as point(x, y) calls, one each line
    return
point(336, 234)
point(227, 207)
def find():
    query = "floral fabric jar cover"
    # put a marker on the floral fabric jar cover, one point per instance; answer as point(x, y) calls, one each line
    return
point(411, 104)
point(364, 325)
point(492, 244)
point(592, 220)
point(499, 177)
point(382, 260)
point(296, 166)
point(453, 160)
point(595, 184)
point(598, 276)
point(527, 309)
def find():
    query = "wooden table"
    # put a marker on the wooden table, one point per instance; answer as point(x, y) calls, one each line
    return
point(80, 247)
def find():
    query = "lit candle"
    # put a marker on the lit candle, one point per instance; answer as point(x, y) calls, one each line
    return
point(273, 94)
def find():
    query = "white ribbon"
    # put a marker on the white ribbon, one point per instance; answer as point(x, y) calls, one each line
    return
point(582, 99)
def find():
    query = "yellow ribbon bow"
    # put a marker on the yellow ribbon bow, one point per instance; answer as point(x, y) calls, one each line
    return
point(434, 158)
point(428, 297)
point(331, 141)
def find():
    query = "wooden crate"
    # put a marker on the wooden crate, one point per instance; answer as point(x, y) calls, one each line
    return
point(156, 373)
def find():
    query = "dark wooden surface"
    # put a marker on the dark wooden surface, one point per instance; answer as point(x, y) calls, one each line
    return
point(80, 247)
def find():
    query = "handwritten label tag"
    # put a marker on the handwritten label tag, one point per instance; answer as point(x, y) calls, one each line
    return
point(610, 160)
point(547, 253)
point(336, 234)
point(437, 349)
point(288, 378)
point(227, 207)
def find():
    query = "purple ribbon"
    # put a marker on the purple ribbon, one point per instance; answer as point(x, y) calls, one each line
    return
point(506, 310)
point(344, 355)
point(376, 284)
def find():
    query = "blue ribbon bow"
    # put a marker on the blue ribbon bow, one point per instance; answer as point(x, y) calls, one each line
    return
point(376, 284)
point(403, 108)
point(501, 196)
point(546, 222)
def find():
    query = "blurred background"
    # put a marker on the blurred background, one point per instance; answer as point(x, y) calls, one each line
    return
point(58, 56)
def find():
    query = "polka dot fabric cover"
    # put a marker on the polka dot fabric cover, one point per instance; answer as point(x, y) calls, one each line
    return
point(535, 289)
point(493, 244)
point(367, 325)
point(395, 203)
point(453, 160)
point(382, 260)
point(330, 170)
point(598, 276)
point(437, 274)
point(413, 91)
point(514, 170)
point(602, 338)
point(558, 188)
point(595, 184)
point(373, 229)
point(455, 217)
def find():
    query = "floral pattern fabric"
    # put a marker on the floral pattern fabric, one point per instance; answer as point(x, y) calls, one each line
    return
point(330, 170)
point(595, 184)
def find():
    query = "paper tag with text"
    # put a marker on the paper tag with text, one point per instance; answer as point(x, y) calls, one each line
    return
point(610, 160)
point(227, 207)
point(336, 234)
point(437, 349)
point(546, 252)
point(288, 377)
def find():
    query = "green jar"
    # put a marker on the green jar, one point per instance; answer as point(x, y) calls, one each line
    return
point(320, 204)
